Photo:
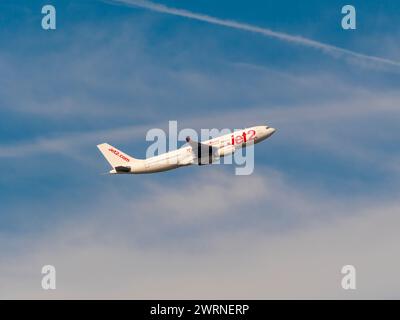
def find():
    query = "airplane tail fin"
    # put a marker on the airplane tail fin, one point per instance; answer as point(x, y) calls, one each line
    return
point(115, 157)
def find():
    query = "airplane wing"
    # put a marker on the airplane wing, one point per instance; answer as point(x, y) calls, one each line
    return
point(204, 153)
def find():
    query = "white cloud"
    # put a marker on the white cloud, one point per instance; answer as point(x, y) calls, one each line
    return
point(108, 256)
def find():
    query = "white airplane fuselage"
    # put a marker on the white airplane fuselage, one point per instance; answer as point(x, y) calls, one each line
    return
point(187, 154)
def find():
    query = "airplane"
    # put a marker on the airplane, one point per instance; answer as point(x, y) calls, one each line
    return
point(193, 152)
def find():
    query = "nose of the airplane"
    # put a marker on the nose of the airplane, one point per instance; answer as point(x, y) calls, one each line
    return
point(271, 131)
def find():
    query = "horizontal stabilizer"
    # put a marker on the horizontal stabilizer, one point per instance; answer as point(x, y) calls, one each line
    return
point(122, 169)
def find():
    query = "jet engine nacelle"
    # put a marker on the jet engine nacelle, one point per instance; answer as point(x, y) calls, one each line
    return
point(186, 160)
point(226, 151)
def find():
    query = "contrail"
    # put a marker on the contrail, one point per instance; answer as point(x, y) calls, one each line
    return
point(326, 48)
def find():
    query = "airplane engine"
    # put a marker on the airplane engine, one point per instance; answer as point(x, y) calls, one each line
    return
point(186, 160)
point(226, 151)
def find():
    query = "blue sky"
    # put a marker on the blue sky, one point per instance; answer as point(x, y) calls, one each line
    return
point(324, 192)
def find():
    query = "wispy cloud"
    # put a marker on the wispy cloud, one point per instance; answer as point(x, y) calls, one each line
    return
point(64, 144)
point(324, 47)
point(330, 122)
